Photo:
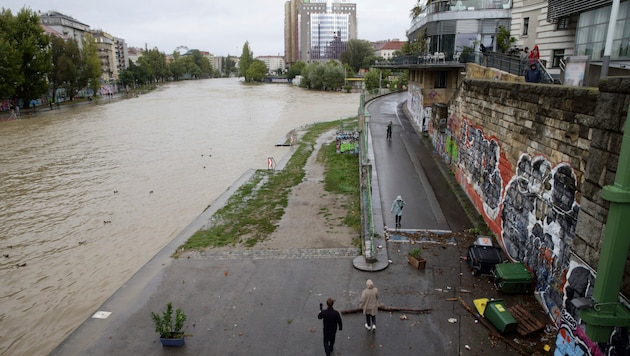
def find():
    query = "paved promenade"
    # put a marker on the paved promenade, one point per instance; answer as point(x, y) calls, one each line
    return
point(265, 302)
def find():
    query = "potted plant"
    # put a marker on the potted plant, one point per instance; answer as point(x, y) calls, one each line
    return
point(415, 258)
point(169, 329)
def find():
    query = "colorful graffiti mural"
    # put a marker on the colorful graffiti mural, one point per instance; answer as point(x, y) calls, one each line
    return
point(572, 339)
point(539, 217)
point(479, 158)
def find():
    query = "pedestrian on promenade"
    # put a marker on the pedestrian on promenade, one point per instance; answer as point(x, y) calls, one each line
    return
point(397, 209)
point(534, 55)
point(369, 304)
point(533, 74)
point(524, 60)
point(389, 131)
point(331, 319)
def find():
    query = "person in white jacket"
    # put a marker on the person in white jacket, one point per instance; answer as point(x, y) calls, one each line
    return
point(397, 209)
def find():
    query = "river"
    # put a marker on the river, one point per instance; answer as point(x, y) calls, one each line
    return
point(91, 192)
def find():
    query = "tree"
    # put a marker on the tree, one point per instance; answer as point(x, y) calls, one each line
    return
point(372, 79)
point(358, 54)
point(90, 75)
point(256, 71)
point(323, 76)
point(176, 66)
point(30, 52)
point(247, 57)
point(229, 66)
point(504, 40)
point(295, 70)
point(66, 65)
point(10, 59)
point(203, 63)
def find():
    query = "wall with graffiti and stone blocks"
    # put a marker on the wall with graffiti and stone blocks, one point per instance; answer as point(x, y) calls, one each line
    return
point(533, 159)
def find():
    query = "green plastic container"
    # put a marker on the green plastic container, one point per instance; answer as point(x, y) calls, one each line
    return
point(513, 278)
point(500, 317)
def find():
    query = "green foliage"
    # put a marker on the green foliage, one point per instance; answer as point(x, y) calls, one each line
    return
point(358, 55)
point(415, 46)
point(372, 79)
point(416, 253)
point(90, 73)
point(296, 69)
point(247, 57)
point(416, 10)
point(164, 324)
point(25, 50)
point(342, 177)
point(323, 76)
point(229, 66)
point(256, 72)
point(504, 40)
point(202, 63)
point(254, 210)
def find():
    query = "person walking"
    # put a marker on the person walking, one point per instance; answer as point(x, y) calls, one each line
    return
point(533, 74)
point(389, 131)
point(397, 209)
point(524, 60)
point(369, 304)
point(534, 55)
point(331, 319)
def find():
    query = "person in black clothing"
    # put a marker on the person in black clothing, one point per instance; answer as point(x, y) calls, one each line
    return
point(332, 319)
point(389, 131)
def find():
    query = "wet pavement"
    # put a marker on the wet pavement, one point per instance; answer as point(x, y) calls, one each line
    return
point(266, 302)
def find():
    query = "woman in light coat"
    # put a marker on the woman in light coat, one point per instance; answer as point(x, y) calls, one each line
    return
point(397, 209)
point(369, 304)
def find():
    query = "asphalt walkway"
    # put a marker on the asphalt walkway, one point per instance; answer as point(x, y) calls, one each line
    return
point(267, 303)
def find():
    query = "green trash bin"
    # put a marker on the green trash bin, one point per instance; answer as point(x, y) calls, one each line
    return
point(499, 316)
point(513, 278)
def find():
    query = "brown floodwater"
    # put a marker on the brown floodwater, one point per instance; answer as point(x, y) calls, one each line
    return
point(90, 193)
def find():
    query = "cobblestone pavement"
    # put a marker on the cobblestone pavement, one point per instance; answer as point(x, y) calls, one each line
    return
point(293, 253)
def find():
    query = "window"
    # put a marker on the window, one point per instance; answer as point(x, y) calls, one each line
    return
point(441, 79)
point(558, 55)
point(563, 23)
point(525, 26)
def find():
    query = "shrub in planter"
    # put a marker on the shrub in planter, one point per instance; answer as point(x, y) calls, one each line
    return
point(170, 327)
point(415, 258)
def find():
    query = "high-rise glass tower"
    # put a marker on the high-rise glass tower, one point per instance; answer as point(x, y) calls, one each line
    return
point(318, 30)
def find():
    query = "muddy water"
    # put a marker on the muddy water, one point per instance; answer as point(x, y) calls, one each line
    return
point(90, 193)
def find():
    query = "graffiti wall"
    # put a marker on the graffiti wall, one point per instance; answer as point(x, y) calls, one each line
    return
point(572, 339)
point(532, 208)
point(532, 159)
point(538, 218)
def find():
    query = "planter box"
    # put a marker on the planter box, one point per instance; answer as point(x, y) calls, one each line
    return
point(417, 263)
point(172, 342)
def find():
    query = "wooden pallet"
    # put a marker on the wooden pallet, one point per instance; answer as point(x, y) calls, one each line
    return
point(527, 323)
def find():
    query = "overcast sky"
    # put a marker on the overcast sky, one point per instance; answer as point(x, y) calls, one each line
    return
point(220, 27)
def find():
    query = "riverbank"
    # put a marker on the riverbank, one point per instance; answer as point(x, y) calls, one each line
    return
point(274, 207)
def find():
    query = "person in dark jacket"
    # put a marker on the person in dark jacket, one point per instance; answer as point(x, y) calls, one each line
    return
point(331, 319)
point(533, 74)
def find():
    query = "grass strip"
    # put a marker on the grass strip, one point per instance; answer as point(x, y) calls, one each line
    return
point(252, 213)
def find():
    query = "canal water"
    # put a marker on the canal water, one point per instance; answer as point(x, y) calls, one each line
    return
point(90, 193)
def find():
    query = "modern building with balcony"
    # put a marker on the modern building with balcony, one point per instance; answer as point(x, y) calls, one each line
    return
point(450, 33)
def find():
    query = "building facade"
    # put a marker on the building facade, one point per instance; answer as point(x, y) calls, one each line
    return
point(106, 46)
point(66, 25)
point(318, 30)
point(274, 64)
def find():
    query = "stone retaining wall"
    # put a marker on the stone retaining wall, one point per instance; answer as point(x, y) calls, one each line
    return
point(533, 159)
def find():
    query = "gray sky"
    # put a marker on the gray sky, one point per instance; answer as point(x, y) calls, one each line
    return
point(219, 27)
